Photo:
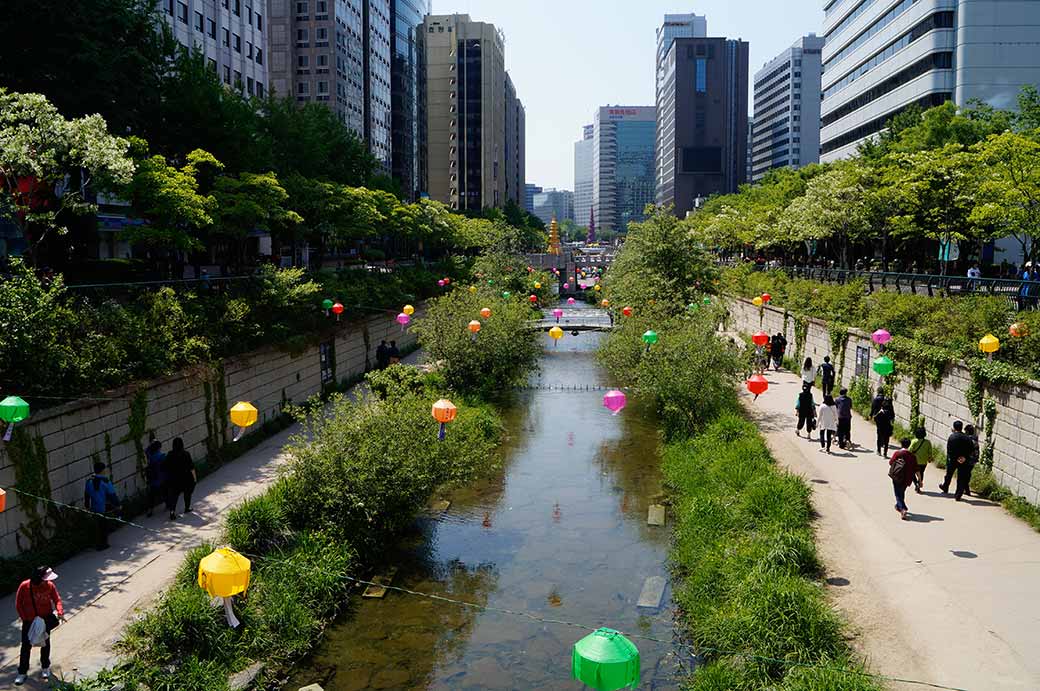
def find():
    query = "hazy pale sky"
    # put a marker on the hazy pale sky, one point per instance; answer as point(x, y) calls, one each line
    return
point(568, 57)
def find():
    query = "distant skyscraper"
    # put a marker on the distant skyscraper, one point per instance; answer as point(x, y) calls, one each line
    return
point(514, 163)
point(583, 175)
point(702, 121)
point(553, 203)
point(622, 165)
point(787, 109)
point(530, 190)
point(406, 17)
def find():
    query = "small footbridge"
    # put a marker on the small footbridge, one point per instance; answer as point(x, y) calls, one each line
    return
point(574, 320)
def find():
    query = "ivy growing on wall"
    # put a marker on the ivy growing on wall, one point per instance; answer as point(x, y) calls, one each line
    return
point(801, 330)
point(214, 388)
point(839, 335)
point(137, 421)
point(28, 454)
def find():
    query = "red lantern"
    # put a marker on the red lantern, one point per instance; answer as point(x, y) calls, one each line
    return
point(757, 385)
point(760, 338)
point(627, 311)
point(337, 309)
point(533, 299)
point(766, 297)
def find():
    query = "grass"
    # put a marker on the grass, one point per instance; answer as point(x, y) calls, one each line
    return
point(748, 572)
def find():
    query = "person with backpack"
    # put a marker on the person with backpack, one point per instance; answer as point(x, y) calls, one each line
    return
point(156, 474)
point(181, 478)
point(883, 413)
point(902, 468)
point(827, 419)
point(99, 496)
point(37, 598)
point(844, 405)
point(778, 345)
point(805, 408)
point(921, 448)
point(827, 376)
point(959, 451)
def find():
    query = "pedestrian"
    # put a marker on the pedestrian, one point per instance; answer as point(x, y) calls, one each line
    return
point(382, 355)
point(805, 408)
point(844, 405)
point(394, 353)
point(974, 460)
point(827, 419)
point(37, 597)
point(180, 478)
point(99, 496)
point(156, 474)
point(779, 344)
point(808, 372)
point(921, 448)
point(959, 451)
point(827, 376)
point(883, 414)
point(902, 468)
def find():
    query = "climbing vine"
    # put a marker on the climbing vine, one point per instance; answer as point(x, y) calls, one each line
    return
point(28, 454)
point(801, 330)
point(214, 388)
point(989, 373)
point(137, 421)
point(839, 335)
point(990, 412)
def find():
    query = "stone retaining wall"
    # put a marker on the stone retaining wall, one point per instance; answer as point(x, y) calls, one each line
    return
point(1016, 456)
point(192, 405)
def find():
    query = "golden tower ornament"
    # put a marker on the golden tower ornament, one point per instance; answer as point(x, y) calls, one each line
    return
point(554, 236)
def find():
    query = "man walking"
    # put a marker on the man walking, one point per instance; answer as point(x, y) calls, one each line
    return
point(844, 405)
point(902, 468)
point(959, 451)
point(777, 347)
point(827, 375)
point(382, 355)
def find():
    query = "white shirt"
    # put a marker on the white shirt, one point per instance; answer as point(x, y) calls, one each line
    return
point(809, 375)
point(827, 418)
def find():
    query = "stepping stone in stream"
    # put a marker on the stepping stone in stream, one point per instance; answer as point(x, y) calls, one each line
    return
point(653, 591)
point(440, 506)
point(383, 580)
point(656, 515)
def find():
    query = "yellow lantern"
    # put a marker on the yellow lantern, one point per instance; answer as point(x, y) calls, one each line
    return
point(537, 285)
point(225, 573)
point(597, 287)
point(989, 344)
point(756, 301)
point(409, 310)
point(472, 289)
point(444, 411)
point(556, 333)
point(243, 415)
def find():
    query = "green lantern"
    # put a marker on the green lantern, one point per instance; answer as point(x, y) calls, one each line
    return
point(884, 366)
point(506, 295)
point(13, 409)
point(605, 660)
point(650, 338)
point(692, 307)
point(327, 304)
point(707, 301)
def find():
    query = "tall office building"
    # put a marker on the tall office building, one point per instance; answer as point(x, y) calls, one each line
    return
point(882, 57)
point(466, 106)
point(677, 26)
point(702, 121)
point(787, 109)
point(336, 52)
point(750, 137)
point(622, 165)
point(406, 17)
point(232, 34)
point(553, 203)
point(583, 176)
point(515, 162)
point(530, 189)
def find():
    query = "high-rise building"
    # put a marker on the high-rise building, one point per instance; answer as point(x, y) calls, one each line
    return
point(882, 57)
point(553, 203)
point(583, 176)
point(530, 189)
point(702, 121)
point(622, 165)
point(232, 34)
point(406, 17)
point(787, 109)
point(515, 163)
point(336, 52)
point(677, 26)
point(750, 138)
point(466, 105)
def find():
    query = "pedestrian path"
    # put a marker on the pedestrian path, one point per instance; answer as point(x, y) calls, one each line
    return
point(102, 590)
point(949, 597)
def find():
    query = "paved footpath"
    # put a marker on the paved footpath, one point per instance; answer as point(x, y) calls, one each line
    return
point(950, 597)
point(102, 590)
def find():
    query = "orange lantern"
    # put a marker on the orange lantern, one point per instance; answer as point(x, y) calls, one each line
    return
point(3, 500)
point(474, 327)
point(486, 312)
point(1019, 330)
point(444, 411)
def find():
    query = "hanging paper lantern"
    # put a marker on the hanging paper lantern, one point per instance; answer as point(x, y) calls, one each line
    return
point(627, 311)
point(243, 415)
point(1019, 330)
point(650, 338)
point(756, 301)
point(989, 344)
point(533, 299)
point(606, 661)
point(491, 281)
point(557, 313)
point(485, 312)
point(566, 286)
point(337, 309)
point(444, 411)
point(692, 307)
point(409, 310)
point(447, 281)
point(883, 366)
point(224, 573)
point(570, 301)
point(556, 333)
point(474, 327)
point(3, 501)
point(537, 285)
point(757, 385)
point(760, 338)
point(881, 337)
point(326, 304)
point(614, 401)
point(472, 289)
point(597, 287)
point(530, 269)
point(12, 410)
point(403, 320)
point(605, 303)
point(706, 301)
point(766, 297)
point(441, 283)
point(506, 294)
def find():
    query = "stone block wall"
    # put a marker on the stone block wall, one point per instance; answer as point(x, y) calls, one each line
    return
point(1016, 453)
point(192, 405)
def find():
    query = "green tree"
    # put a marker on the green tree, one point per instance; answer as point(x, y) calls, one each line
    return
point(1008, 195)
point(248, 202)
point(47, 163)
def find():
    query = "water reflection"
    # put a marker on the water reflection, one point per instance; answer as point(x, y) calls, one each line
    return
point(560, 533)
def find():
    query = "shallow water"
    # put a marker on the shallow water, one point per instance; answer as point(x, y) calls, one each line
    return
point(560, 533)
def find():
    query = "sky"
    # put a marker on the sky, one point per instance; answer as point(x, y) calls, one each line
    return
point(568, 57)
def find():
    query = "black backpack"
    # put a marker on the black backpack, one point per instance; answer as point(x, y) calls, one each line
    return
point(897, 468)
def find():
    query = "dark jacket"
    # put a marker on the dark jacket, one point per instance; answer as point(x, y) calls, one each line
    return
point(156, 469)
point(959, 445)
point(844, 406)
point(882, 413)
point(827, 372)
point(909, 470)
point(806, 405)
point(180, 469)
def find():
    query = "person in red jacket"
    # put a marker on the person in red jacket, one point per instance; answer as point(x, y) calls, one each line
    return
point(902, 468)
point(37, 597)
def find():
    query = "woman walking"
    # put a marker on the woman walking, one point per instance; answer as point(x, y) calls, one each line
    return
point(808, 372)
point(827, 420)
point(921, 448)
point(180, 478)
point(901, 468)
point(37, 597)
point(884, 415)
point(805, 408)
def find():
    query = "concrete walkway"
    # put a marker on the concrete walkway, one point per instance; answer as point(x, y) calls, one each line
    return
point(101, 591)
point(949, 597)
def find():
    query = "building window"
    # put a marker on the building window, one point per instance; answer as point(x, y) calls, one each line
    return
point(303, 88)
point(249, 15)
point(303, 61)
point(302, 37)
point(238, 8)
point(211, 28)
point(212, 64)
point(249, 85)
point(301, 7)
point(238, 79)
point(224, 3)
point(321, 34)
point(169, 7)
point(260, 89)
point(259, 56)
point(702, 76)
point(249, 49)
point(227, 38)
point(237, 43)
point(259, 23)
point(199, 22)
point(323, 88)
point(182, 12)
point(227, 74)
point(321, 7)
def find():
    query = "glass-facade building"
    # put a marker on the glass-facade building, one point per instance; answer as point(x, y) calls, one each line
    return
point(622, 165)
point(406, 17)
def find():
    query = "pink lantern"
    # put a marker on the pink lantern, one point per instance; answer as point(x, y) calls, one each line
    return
point(403, 319)
point(557, 313)
point(570, 301)
point(614, 401)
point(441, 283)
point(566, 286)
point(881, 337)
